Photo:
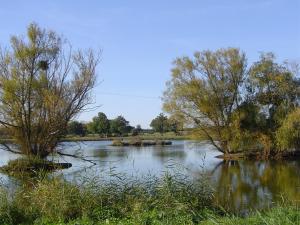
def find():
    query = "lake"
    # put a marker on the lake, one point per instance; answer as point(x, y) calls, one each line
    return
point(239, 186)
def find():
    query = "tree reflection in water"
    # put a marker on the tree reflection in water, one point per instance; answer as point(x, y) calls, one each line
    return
point(244, 185)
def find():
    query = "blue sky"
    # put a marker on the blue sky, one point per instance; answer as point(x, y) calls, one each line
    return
point(140, 39)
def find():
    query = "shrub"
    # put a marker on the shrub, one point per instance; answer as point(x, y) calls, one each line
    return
point(288, 135)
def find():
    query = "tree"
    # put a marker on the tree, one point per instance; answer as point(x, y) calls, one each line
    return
point(160, 123)
point(274, 88)
point(100, 124)
point(288, 135)
point(206, 90)
point(137, 130)
point(248, 126)
point(76, 128)
point(43, 86)
point(175, 124)
point(120, 126)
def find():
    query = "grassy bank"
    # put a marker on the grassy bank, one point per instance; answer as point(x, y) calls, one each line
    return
point(154, 136)
point(280, 215)
point(168, 200)
point(139, 142)
point(95, 137)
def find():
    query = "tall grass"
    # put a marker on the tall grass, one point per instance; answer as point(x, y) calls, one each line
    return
point(171, 199)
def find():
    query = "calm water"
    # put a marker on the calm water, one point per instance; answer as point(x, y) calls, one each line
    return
point(239, 186)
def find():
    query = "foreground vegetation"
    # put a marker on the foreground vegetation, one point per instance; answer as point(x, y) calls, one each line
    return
point(172, 199)
point(280, 215)
point(169, 200)
point(26, 165)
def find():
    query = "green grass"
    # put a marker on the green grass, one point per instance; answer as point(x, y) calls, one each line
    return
point(173, 199)
point(169, 200)
point(95, 137)
point(138, 142)
point(280, 215)
point(146, 136)
point(28, 169)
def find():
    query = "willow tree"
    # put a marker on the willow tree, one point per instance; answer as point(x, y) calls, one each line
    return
point(206, 90)
point(275, 89)
point(288, 135)
point(43, 85)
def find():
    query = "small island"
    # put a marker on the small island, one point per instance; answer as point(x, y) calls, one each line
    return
point(140, 143)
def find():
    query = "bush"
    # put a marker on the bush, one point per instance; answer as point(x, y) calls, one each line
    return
point(288, 135)
point(117, 142)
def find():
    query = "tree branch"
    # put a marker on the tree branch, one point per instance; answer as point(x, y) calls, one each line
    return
point(76, 157)
point(8, 149)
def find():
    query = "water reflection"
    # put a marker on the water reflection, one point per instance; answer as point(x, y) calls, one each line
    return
point(241, 185)
point(105, 154)
point(164, 155)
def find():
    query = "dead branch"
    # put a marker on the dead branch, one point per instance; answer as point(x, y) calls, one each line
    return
point(8, 149)
point(77, 157)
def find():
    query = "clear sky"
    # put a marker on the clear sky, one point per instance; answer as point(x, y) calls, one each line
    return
point(140, 39)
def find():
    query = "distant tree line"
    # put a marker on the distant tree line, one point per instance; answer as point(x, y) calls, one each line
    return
point(119, 126)
point(103, 127)
point(164, 124)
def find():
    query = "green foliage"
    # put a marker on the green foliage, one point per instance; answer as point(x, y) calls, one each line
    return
point(271, 83)
point(117, 142)
point(280, 215)
point(234, 108)
point(274, 88)
point(169, 200)
point(104, 127)
point(205, 90)
point(160, 123)
point(99, 125)
point(163, 124)
point(250, 118)
point(120, 126)
point(77, 128)
point(175, 123)
point(137, 130)
point(248, 125)
point(288, 135)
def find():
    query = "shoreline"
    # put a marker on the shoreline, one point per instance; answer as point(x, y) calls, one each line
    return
point(95, 138)
point(141, 143)
point(259, 156)
point(128, 138)
point(135, 141)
